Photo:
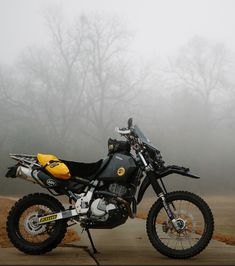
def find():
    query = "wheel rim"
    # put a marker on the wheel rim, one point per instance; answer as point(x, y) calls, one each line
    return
point(189, 218)
point(28, 228)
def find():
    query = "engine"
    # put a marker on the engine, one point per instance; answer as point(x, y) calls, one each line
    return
point(107, 212)
point(117, 189)
point(100, 209)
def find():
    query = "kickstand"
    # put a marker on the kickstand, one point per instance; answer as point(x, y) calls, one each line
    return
point(92, 243)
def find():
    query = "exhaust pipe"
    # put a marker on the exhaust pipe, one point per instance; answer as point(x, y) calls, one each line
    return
point(35, 176)
point(25, 173)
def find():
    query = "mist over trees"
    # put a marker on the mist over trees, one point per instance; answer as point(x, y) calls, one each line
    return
point(67, 97)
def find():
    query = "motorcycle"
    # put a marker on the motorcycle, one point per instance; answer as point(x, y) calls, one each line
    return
point(102, 195)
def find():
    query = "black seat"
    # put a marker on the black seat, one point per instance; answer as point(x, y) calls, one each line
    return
point(84, 170)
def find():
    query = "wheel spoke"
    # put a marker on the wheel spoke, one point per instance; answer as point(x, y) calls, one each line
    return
point(181, 244)
point(192, 219)
point(179, 208)
point(28, 227)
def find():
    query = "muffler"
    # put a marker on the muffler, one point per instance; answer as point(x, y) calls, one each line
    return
point(25, 173)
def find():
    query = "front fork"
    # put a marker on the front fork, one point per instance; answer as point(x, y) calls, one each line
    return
point(158, 190)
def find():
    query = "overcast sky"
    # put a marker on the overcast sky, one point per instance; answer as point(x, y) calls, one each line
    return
point(160, 26)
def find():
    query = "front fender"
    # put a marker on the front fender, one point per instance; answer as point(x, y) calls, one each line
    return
point(175, 169)
point(172, 169)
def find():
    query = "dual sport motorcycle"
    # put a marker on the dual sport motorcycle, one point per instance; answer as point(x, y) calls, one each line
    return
point(102, 195)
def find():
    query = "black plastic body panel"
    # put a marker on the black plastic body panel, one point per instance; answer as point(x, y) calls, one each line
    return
point(58, 185)
point(144, 185)
point(171, 169)
point(115, 219)
point(117, 161)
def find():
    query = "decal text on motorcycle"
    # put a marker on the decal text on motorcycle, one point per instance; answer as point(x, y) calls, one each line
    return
point(48, 218)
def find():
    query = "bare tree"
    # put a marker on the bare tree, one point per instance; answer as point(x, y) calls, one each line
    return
point(84, 78)
point(9, 106)
point(112, 83)
point(202, 69)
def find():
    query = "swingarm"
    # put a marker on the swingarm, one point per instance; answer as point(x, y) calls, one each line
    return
point(57, 216)
point(81, 207)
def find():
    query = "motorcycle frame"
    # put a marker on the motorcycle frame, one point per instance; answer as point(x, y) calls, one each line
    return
point(152, 178)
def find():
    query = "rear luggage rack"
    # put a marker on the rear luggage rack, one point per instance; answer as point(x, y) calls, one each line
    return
point(27, 160)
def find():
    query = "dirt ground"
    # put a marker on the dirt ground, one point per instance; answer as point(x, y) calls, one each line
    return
point(223, 209)
point(5, 206)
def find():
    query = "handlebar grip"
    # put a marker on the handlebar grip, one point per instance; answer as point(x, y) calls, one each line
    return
point(122, 131)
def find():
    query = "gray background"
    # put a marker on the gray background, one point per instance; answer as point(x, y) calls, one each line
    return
point(70, 71)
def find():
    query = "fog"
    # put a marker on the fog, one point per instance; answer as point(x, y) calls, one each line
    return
point(70, 71)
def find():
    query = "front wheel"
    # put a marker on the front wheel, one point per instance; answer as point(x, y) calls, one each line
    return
point(194, 218)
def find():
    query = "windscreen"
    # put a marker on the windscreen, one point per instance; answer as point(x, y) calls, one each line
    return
point(146, 141)
point(141, 135)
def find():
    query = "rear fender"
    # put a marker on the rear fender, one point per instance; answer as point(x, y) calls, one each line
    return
point(12, 171)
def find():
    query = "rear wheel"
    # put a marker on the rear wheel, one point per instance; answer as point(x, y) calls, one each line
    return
point(194, 218)
point(23, 229)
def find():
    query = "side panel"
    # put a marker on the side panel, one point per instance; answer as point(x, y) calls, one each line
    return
point(150, 179)
point(119, 169)
point(144, 185)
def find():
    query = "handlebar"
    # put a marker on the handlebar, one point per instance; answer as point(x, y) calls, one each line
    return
point(122, 131)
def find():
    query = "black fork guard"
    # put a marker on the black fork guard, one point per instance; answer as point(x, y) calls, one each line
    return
point(152, 178)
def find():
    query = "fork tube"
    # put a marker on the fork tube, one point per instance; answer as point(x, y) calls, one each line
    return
point(169, 211)
point(154, 182)
point(166, 207)
point(160, 193)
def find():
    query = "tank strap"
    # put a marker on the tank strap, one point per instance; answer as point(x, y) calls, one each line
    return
point(50, 163)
